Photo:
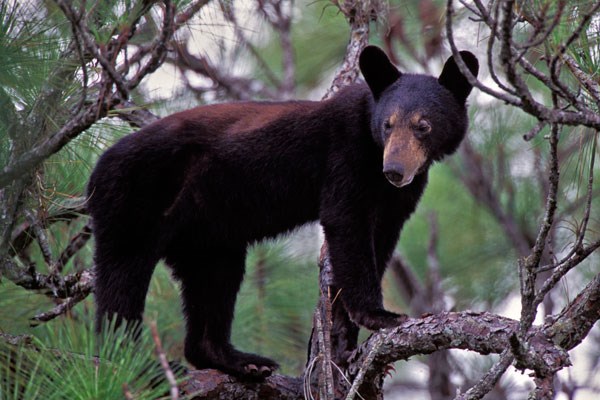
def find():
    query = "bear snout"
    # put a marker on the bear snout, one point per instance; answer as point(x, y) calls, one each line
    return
point(394, 173)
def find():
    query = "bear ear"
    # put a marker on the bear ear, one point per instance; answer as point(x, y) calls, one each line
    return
point(452, 79)
point(378, 70)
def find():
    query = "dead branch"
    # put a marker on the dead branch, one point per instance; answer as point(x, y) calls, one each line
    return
point(209, 384)
point(164, 363)
point(359, 14)
point(544, 353)
point(501, 26)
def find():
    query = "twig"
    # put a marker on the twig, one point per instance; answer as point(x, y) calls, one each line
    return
point(434, 288)
point(280, 19)
point(230, 15)
point(562, 269)
point(184, 16)
point(81, 121)
point(164, 362)
point(23, 235)
point(535, 130)
point(588, 205)
point(464, 70)
point(42, 239)
point(60, 309)
point(30, 279)
point(586, 80)
point(78, 22)
point(77, 242)
point(17, 340)
point(520, 96)
point(528, 266)
point(134, 115)
point(324, 344)
point(323, 323)
point(237, 87)
point(158, 48)
point(359, 15)
point(126, 392)
point(374, 346)
point(489, 380)
point(53, 144)
point(480, 185)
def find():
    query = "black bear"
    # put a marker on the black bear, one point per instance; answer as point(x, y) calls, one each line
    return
point(197, 187)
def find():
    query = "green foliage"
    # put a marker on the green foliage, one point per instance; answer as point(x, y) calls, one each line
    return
point(320, 23)
point(163, 306)
point(75, 363)
point(471, 248)
point(29, 50)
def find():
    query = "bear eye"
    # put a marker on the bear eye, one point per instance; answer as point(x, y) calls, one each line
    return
point(423, 126)
point(387, 125)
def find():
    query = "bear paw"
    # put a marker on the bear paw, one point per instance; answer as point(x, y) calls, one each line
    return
point(241, 365)
point(378, 319)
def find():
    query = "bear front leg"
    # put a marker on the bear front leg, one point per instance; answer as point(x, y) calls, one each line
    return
point(356, 275)
point(209, 292)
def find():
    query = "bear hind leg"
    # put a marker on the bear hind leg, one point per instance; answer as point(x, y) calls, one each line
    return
point(121, 283)
point(209, 292)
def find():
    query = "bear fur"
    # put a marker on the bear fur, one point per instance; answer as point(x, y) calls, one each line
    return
point(198, 187)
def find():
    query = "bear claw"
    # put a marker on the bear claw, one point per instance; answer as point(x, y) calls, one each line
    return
point(258, 372)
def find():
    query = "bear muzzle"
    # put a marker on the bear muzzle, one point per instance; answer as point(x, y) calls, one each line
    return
point(395, 174)
point(403, 157)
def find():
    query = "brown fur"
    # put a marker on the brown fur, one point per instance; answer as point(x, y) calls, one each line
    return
point(403, 148)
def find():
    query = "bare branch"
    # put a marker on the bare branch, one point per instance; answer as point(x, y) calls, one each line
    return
point(510, 57)
point(164, 363)
point(528, 266)
point(211, 384)
point(86, 117)
point(79, 23)
point(241, 36)
point(70, 130)
point(41, 238)
point(575, 321)
point(279, 15)
point(65, 287)
point(463, 67)
point(489, 380)
point(586, 80)
point(77, 242)
point(158, 49)
point(60, 309)
point(359, 14)
point(237, 87)
point(134, 115)
point(23, 235)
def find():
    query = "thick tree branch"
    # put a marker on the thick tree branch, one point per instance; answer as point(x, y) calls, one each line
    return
point(545, 351)
point(359, 15)
point(70, 130)
point(209, 384)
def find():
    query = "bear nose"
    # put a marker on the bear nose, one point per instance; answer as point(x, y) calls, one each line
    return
point(394, 174)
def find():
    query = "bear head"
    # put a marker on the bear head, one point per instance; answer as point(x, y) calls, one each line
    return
point(416, 119)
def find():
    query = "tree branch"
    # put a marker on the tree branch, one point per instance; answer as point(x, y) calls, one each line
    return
point(210, 384)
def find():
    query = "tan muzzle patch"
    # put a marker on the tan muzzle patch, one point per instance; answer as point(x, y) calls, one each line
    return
point(403, 157)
